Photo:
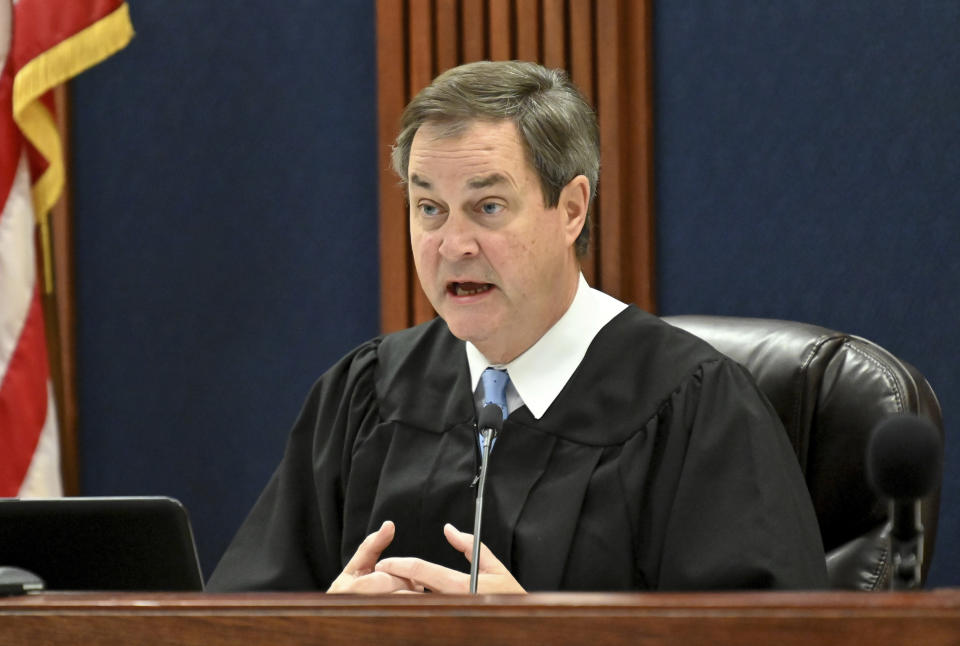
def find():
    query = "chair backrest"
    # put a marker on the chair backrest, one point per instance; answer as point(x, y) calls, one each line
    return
point(831, 389)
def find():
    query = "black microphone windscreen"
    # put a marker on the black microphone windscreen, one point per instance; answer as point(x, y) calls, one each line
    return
point(904, 457)
point(491, 416)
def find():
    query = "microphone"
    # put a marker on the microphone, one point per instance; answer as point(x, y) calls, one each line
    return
point(904, 462)
point(490, 423)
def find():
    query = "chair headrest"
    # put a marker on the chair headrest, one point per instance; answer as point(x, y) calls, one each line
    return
point(830, 389)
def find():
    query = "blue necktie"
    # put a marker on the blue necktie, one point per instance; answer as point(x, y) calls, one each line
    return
point(494, 392)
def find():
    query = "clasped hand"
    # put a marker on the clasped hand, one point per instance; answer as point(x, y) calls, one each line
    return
point(366, 574)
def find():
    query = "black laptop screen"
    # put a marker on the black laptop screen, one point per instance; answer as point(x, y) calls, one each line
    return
point(101, 543)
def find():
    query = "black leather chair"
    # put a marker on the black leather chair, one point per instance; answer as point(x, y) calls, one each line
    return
point(830, 389)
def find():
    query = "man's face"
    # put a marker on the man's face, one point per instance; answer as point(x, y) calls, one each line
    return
point(495, 263)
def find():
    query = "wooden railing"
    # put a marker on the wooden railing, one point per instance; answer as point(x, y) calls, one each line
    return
point(784, 619)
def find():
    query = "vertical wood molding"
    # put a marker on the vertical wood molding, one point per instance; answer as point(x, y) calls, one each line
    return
point(583, 71)
point(553, 24)
point(473, 26)
point(421, 29)
point(395, 269)
point(609, 241)
point(641, 266)
point(527, 21)
point(500, 32)
point(606, 47)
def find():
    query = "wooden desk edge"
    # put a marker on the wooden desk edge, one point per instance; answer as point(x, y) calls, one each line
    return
point(940, 601)
point(560, 619)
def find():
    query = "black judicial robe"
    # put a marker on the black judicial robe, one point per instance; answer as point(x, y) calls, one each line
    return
point(659, 466)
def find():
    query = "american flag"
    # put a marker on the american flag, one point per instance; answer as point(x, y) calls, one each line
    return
point(42, 44)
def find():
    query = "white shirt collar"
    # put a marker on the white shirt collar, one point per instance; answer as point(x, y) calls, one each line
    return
point(539, 374)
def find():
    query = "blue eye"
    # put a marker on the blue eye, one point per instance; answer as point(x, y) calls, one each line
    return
point(429, 209)
point(491, 208)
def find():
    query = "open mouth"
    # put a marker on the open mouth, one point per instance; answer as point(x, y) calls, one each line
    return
point(468, 289)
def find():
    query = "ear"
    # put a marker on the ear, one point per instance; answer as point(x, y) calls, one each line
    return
point(573, 205)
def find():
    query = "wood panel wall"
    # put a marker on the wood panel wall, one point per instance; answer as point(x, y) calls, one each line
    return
point(606, 46)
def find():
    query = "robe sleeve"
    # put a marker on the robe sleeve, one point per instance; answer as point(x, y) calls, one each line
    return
point(291, 539)
point(739, 515)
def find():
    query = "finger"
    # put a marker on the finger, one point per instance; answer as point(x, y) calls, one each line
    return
point(368, 553)
point(380, 583)
point(463, 542)
point(426, 574)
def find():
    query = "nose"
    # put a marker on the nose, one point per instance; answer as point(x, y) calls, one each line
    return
point(458, 238)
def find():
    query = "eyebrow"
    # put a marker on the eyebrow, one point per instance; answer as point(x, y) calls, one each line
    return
point(489, 180)
point(478, 182)
point(419, 181)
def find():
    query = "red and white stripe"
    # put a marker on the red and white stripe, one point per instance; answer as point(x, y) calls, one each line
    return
point(29, 445)
point(42, 44)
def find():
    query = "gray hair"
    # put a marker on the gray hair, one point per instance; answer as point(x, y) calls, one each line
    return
point(556, 124)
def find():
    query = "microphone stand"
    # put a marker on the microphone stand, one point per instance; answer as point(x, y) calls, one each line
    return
point(906, 544)
point(487, 434)
point(490, 423)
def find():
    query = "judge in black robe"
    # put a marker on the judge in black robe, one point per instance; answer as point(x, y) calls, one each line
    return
point(658, 467)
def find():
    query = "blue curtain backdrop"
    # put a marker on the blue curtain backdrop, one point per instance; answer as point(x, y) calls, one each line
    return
point(808, 168)
point(225, 201)
point(807, 156)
